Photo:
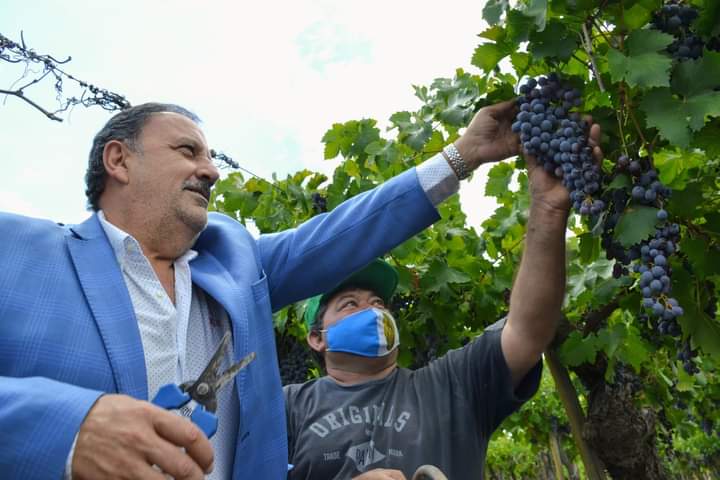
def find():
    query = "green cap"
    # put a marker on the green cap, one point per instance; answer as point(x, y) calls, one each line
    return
point(378, 276)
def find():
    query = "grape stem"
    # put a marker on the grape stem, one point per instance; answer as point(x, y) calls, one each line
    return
point(587, 45)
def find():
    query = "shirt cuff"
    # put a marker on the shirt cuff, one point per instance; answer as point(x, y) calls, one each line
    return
point(68, 463)
point(437, 179)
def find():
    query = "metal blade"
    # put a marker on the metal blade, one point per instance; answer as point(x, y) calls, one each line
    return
point(233, 370)
point(211, 371)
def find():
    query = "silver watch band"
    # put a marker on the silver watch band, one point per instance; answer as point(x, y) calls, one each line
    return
point(456, 162)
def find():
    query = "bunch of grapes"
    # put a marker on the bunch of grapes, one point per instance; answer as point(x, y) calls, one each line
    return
point(557, 138)
point(294, 359)
point(676, 19)
point(428, 352)
point(686, 354)
point(319, 203)
point(651, 256)
point(655, 274)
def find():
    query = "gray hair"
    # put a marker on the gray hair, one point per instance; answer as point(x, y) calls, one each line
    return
point(126, 126)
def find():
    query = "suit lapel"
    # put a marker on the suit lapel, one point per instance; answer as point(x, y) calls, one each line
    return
point(106, 293)
point(210, 275)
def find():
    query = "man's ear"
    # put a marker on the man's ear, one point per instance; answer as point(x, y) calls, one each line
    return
point(316, 341)
point(115, 155)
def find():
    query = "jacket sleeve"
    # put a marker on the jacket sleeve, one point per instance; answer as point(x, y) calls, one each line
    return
point(39, 419)
point(324, 250)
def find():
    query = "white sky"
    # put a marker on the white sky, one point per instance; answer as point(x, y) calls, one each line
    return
point(268, 79)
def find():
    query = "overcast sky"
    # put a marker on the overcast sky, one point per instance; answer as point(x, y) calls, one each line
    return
point(267, 78)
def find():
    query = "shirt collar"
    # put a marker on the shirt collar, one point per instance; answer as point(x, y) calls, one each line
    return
point(121, 241)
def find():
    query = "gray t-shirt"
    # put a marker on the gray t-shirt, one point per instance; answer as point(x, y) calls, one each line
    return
point(442, 414)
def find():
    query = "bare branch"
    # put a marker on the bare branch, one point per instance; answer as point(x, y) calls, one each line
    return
point(19, 94)
point(587, 44)
point(13, 52)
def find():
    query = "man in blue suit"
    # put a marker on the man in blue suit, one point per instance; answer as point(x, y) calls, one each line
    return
point(95, 317)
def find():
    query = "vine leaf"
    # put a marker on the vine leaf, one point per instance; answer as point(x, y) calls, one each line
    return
point(488, 55)
point(499, 179)
point(636, 224)
point(674, 166)
point(555, 41)
point(439, 275)
point(692, 77)
point(643, 66)
point(709, 21)
point(537, 10)
point(577, 349)
point(620, 181)
point(493, 10)
point(675, 117)
point(704, 330)
point(414, 133)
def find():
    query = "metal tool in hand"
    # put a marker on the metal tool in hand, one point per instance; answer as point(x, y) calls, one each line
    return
point(204, 389)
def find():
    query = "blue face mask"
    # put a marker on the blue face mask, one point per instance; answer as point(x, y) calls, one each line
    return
point(369, 333)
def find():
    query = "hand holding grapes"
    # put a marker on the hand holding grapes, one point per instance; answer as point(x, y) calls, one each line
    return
point(546, 188)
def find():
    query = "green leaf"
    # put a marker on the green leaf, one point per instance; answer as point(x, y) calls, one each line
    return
point(704, 259)
point(518, 27)
point(555, 41)
point(537, 10)
point(636, 224)
point(686, 202)
point(648, 70)
point(617, 64)
point(493, 10)
point(672, 116)
point(708, 138)
point(636, 16)
point(643, 66)
point(577, 349)
point(694, 76)
point(647, 41)
point(439, 275)
point(596, 99)
point(499, 179)
point(620, 181)
point(589, 248)
point(709, 21)
point(704, 330)
point(674, 166)
point(488, 55)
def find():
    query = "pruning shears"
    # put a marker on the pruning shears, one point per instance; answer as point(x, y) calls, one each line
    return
point(203, 390)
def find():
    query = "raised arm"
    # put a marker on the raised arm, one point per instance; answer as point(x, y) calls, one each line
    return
point(539, 288)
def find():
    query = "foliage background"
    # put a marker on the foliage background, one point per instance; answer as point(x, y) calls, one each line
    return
point(455, 280)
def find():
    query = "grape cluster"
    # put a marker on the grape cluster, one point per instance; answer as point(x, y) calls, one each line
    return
point(685, 354)
point(319, 203)
point(676, 19)
point(557, 138)
point(294, 359)
point(655, 274)
point(651, 256)
point(428, 350)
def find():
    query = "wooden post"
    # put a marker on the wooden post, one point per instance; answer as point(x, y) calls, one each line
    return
point(555, 453)
point(568, 397)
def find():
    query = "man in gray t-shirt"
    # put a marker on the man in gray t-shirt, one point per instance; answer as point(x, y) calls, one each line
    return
point(442, 414)
point(367, 419)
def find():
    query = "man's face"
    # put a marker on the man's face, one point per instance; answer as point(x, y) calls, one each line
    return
point(349, 301)
point(172, 172)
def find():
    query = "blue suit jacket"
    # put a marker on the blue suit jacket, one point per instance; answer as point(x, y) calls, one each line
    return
point(68, 332)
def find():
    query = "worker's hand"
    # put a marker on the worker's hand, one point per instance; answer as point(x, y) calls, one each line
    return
point(122, 438)
point(381, 474)
point(546, 189)
point(489, 138)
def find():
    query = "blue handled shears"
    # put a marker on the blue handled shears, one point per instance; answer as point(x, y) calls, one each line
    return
point(203, 390)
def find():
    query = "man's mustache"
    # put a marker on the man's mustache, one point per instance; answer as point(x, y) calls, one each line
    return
point(203, 187)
